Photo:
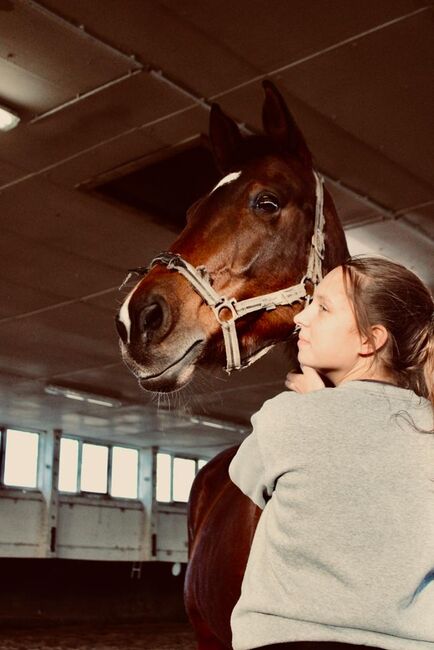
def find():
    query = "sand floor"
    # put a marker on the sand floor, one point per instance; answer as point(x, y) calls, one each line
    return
point(149, 636)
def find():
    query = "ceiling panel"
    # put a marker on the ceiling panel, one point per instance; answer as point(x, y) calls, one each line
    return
point(76, 244)
point(103, 116)
point(142, 144)
point(159, 37)
point(69, 338)
point(224, 44)
point(270, 36)
point(45, 61)
point(362, 87)
point(111, 377)
point(49, 269)
point(351, 208)
point(398, 241)
point(9, 172)
point(18, 298)
point(422, 219)
point(25, 92)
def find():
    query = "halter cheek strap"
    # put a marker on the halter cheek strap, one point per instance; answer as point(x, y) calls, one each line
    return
point(228, 310)
point(316, 255)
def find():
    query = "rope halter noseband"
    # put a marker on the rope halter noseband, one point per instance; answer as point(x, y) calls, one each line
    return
point(228, 310)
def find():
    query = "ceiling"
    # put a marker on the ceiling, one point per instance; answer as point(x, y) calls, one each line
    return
point(104, 85)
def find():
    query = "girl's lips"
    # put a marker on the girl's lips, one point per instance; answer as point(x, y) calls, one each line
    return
point(301, 341)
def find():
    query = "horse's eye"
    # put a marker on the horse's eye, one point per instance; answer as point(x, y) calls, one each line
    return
point(266, 203)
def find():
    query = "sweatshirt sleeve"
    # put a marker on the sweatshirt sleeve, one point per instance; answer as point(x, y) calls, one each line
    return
point(278, 443)
point(247, 469)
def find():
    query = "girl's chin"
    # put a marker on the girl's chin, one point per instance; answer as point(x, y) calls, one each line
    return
point(304, 359)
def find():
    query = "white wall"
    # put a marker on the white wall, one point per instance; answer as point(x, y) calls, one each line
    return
point(43, 523)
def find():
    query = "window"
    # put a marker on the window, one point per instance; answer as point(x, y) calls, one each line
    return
point(20, 458)
point(184, 471)
point(125, 465)
point(97, 468)
point(94, 468)
point(175, 476)
point(68, 465)
point(164, 478)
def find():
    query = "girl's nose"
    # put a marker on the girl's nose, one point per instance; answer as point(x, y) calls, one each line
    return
point(302, 317)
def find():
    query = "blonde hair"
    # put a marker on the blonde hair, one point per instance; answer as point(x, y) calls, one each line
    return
point(386, 293)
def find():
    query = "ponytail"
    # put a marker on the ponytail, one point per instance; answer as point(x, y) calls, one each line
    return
point(429, 364)
point(386, 293)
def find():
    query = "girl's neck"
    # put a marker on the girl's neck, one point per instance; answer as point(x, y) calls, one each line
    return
point(373, 372)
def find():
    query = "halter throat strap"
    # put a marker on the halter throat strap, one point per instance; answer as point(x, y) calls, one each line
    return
point(228, 310)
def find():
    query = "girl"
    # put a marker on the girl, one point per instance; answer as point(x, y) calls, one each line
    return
point(343, 555)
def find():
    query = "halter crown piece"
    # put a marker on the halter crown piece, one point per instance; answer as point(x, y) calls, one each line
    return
point(199, 279)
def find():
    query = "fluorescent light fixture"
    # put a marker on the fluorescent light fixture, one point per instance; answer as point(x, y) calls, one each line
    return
point(8, 119)
point(215, 424)
point(82, 396)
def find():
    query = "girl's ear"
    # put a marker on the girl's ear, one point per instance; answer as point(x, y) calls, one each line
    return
point(379, 337)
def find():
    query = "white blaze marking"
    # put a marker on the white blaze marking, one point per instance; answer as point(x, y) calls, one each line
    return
point(227, 179)
point(124, 314)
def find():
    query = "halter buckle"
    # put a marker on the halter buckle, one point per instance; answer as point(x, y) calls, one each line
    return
point(222, 304)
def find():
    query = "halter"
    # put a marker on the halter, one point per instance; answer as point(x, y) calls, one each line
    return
point(228, 310)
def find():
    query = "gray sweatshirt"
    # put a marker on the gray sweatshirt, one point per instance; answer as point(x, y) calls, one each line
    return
point(344, 548)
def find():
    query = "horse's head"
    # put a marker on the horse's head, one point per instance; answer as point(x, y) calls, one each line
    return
point(250, 236)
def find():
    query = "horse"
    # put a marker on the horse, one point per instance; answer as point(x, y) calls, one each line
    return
point(247, 260)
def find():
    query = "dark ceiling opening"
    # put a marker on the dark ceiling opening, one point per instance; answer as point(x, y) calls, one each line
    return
point(168, 187)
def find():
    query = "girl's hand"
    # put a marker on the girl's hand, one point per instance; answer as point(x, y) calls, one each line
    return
point(304, 382)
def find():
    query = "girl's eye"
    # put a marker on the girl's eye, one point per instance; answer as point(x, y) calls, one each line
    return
point(322, 307)
point(266, 203)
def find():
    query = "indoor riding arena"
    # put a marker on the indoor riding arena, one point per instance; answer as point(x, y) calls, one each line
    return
point(135, 346)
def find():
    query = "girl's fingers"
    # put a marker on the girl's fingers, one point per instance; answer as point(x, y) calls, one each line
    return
point(304, 382)
point(309, 372)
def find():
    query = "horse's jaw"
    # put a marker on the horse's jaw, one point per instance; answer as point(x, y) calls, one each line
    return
point(170, 366)
point(164, 374)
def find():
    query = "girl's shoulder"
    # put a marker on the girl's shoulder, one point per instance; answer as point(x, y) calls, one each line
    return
point(351, 396)
point(300, 405)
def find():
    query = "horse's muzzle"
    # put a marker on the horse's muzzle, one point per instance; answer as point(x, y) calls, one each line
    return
point(151, 320)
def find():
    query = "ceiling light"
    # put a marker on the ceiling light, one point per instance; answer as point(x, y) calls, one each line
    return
point(215, 424)
point(8, 119)
point(82, 396)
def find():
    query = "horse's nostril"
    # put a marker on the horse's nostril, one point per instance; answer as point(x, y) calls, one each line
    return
point(122, 330)
point(151, 317)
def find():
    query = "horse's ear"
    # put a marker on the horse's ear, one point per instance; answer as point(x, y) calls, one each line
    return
point(280, 125)
point(225, 139)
